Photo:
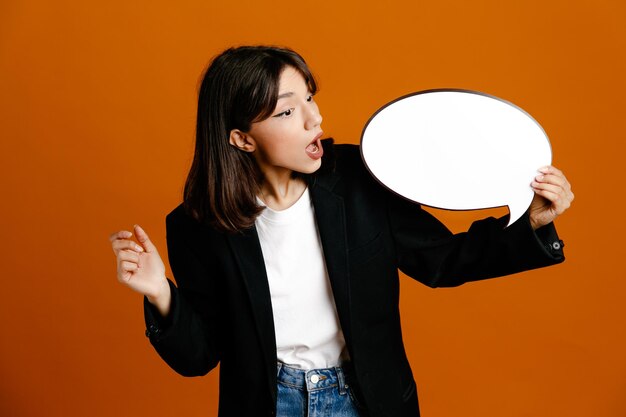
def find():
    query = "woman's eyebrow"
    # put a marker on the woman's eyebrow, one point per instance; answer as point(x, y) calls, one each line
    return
point(285, 95)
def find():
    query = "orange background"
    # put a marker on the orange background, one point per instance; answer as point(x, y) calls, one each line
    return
point(97, 110)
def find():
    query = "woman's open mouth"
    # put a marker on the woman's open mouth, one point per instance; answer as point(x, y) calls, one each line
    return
point(314, 150)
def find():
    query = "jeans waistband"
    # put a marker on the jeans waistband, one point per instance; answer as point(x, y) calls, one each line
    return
point(314, 379)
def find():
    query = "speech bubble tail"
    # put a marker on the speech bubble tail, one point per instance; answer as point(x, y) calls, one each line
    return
point(515, 213)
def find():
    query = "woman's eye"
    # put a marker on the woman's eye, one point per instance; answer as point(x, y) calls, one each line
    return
point(286, 113)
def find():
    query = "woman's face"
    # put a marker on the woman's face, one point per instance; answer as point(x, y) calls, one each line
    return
point(289, 140)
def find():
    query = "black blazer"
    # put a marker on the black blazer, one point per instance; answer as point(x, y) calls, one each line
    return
point(222, 311)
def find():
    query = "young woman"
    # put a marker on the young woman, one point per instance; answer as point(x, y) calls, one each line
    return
point(286, 253)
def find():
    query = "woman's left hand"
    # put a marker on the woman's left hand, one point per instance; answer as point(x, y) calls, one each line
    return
point(553, 195)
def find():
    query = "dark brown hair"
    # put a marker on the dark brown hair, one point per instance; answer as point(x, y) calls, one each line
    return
point(239, 87)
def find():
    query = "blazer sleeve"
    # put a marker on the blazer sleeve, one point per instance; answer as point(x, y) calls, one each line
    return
point(427, 251)
point(187, 338)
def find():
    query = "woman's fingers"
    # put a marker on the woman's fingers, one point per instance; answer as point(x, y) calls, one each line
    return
point(553, 185)
point(127, 264)
point(557, 204)
point(553, 196)
point(123, 244)
point(126, 270)
point(556, 196)
point(555, 180)
point(126, 255)
point(549, 169)
point(555, 188)
point(122, 234)
point(552, 179)
point(554, 176)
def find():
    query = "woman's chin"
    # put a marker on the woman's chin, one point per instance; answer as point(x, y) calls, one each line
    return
point(314, 167)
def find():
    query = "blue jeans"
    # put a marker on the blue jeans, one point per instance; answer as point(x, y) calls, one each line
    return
point(315, 393)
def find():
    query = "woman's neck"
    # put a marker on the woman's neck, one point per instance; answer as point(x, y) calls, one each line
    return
point(280, 192)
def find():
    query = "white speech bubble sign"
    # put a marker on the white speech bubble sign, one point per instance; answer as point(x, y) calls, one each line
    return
point(456, 149)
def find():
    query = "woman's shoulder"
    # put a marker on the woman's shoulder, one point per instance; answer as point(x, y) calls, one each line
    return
point(343, 166)
point(180, 220)
point(340, 157)
point(178, 214)
point(183, 230)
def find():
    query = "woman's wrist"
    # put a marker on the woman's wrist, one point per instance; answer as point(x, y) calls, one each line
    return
point(162, 299)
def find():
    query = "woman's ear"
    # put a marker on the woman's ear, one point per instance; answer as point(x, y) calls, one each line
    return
point(242, 141)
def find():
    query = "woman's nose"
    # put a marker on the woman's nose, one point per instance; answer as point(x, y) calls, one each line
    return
point(313, 119)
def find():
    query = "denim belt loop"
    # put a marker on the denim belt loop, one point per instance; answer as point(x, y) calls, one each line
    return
point(341, 381)
point(278, 368)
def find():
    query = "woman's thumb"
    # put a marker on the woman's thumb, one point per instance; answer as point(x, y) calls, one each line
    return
point(143, 239)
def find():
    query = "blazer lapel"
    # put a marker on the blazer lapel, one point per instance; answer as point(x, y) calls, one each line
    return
point(247, 252)
point(330, 216)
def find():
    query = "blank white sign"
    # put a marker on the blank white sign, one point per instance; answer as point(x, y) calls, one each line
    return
point(456, 149)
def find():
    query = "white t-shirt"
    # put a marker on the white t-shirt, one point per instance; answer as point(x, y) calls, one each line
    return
point(308, 333)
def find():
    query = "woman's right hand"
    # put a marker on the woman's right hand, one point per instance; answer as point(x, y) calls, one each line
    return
point(140, 267)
